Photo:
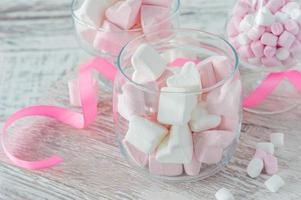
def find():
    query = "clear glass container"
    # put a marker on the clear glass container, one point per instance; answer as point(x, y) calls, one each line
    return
point(107, 43)
point(136, 108)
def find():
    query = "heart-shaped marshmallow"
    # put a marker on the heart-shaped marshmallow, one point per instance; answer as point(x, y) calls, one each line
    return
point(188, 78)
point(177, 147)
point(124, 13)
point(201, 120)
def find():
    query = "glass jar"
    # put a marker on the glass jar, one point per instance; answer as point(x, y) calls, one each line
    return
point(154, 123)
point(107, 41)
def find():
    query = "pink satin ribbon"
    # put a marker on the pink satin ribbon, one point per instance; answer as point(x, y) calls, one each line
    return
point(67, 116)
point(269, 84)
point(63, 115)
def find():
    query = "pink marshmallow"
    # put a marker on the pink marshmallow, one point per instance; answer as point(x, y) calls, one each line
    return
point(124, 13)
point(256, 32)
point(231, 29)
point(269, 39)
point(164, 169)
point(257, 49)
point(165, 3)
point(193, 168)
point(207, 73)
point(222, 67)
point(271, 62)
point(270, 164)
point(236, 21)
point(111, 39)
point(296, 49)
point(140, 158)
point(155, 18)
point(298, 36)
point(209, 155)
point(269, 51)
point(245, 52)
point(292, 27)
point(261, 154)
point(241, 8)
point(275, 5)
point(286, 39)
point(277, 28)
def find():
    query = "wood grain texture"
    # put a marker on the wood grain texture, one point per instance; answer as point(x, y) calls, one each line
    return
point(38, 54)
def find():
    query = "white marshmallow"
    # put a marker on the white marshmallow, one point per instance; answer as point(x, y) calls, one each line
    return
point(281, 17)
point(266, 146)
point(246, 23)
point(74, 93)
point(145, 135)
point(255, 167)
point(264, 17)
point(175, 106)
point(201, 120)
point(274, 183)
point(289, 7)
point(177, 147)
point(277, 139)
point(295, 14)
point(189, 78)
point(224, 194)
point(243, 39)
point(282, 53)
point(93, 11)
point(148, 64)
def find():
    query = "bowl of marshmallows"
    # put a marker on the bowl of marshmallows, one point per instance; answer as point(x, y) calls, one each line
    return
point(105, 26)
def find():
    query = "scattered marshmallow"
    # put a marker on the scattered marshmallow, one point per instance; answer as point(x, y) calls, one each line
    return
point(274, 183)
point(124, 13)
point(255, 167)
point(277, 139)
point(266, 146)
point(175, 106)
point(224, 194)
point(270, 164)
point(189, 78)
point(148, 64)
point(201, 120)
point(177, 147)
point(147, 140)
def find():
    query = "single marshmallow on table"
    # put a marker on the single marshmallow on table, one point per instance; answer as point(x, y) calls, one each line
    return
point(201, 120)
point(206, 70)
point(274, 183)
point(163, 169)
point(155, 18)
point(94, 11)
point(74, 93)
point(147, 63)
point(166, 3)
point(131, 101)
point(277, 139)
point(140, 158)
point(255, 167)
point(193, 168)
point(175, 105)
point(224, 194)
point(246, 23)
point(266, 146)
point(177, 147)
point(264, 17)
point(145, 135)
point(124, 13)
point(189, 78)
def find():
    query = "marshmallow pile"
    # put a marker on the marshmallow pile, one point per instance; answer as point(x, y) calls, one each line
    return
point(266, 33)
point(113, 23)
point(172, 127)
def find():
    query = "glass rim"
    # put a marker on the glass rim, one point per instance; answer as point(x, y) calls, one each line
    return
point(202, 90)
point(99, 29)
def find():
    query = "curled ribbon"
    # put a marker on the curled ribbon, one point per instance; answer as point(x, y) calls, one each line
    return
point(63, 115)
point(269, 84)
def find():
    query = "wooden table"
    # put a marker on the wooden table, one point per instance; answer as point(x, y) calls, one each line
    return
point(37, 52)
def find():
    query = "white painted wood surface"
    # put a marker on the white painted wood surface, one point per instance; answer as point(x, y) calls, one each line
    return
point(38, 50)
